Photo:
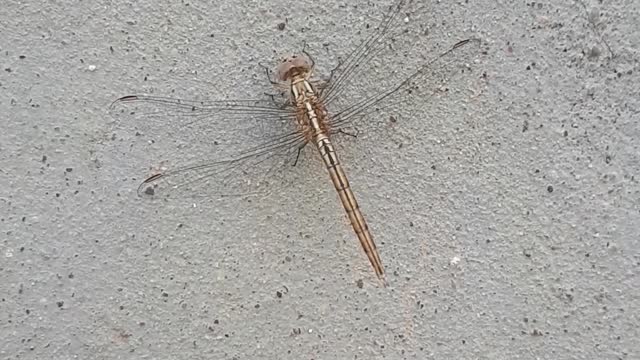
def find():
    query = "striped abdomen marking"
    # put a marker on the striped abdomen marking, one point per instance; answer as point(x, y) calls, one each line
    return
point(313, 122)
point(349, 202)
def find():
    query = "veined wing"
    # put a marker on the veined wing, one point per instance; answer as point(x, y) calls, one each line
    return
point(246, 174)
point(358, 59)
point(191, 112)
point(216, 148)
point(349, 102)
point(423, 83)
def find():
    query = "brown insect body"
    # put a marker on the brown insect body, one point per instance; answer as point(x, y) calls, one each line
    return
point(313, 122)
point(231, 173)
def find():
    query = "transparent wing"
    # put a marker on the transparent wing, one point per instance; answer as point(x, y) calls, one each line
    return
point(220, 148)
point(423, 83)
point(222, 115)
point(362, 55)
point(250, 173)
point(350, 96)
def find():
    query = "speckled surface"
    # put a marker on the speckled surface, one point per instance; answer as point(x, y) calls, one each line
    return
point(506, 209)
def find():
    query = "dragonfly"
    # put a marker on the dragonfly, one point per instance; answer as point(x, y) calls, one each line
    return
point(311, 112)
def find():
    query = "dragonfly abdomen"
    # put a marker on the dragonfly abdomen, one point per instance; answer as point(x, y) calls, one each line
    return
point(349, 203)
point(313, 122)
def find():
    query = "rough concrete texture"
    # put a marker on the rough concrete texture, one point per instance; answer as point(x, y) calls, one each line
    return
point(506, 206)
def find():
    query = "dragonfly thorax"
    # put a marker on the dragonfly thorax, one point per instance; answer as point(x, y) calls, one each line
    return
point(293, 66)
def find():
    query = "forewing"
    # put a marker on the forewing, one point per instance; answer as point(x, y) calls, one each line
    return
point(430, 78)
point(358, 60)
point(374, 76)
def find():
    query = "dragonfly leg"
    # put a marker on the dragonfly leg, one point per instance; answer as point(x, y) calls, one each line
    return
point(295, 162)
point(281, 103)
point(321, 85)
point(304, 51)
point(333, 71)
point(353, 134)
point(267, 70)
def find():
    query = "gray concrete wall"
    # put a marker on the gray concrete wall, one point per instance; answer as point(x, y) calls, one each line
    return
point(506, 205)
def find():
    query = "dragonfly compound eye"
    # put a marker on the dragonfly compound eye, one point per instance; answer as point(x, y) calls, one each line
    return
point(293, 65)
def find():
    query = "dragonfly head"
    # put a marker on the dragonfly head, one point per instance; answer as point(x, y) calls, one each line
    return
point(295, 65)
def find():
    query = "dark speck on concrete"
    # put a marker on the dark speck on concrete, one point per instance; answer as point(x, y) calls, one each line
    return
point(594, 52)
point(486, 130)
